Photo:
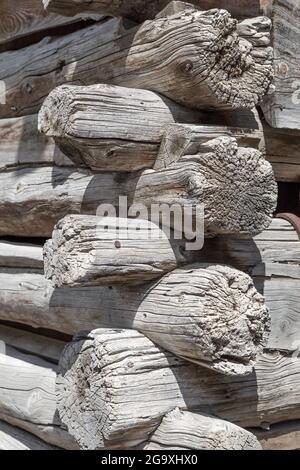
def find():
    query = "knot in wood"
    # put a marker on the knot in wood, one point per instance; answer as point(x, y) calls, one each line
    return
point(186, 66)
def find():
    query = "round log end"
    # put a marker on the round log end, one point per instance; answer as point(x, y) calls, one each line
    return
point(216, 317)
point(236, 185)
point(53, 117)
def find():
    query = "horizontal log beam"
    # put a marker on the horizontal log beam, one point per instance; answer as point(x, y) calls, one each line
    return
point(12, 438)
point(31, 343)
point(111, 128)
point(144, 9)
point(183, 430)
point(31, 203)
point(115, 386)
point(90, 250)
point(282, 151)
point(21, 255)
point(21, 144)
point(181, 298)
point(23, 20)
point(272, 259)
point(28, 399)
point(240, 74)
point(281, 109)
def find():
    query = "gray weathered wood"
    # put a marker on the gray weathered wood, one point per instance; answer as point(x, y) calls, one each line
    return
point(91, 250)
point(281, 436)
point(177, 312)
point(235, 185)
point(31, 343)
point(53, 435)
point(28, 398)
point(281, 147)
point(185, 139)
point(115, 128)
point(107, 127)
point(21, 255)
point(240, 74)
point(144, 9)
point(20, 19)
point(183, 430)
point(12, 438)
point(272, 259)
point(22, 144)
point(115, 386)
point(282, 109)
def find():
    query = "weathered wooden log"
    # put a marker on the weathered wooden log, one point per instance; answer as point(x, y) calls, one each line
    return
point(108, 127)
point(28, 398)
point(115, 128)
point(22, 144)
point(185, 139)
point(183, 430)
point(272, 259)
point(22, 19)
point(21, 255)
point(114, 387)
point(90, 250)
point(149, 57)
point(235, 185)
point(12, 438)
point(199, 327)
point(145, 9)
point(31, 343)
point(281, 436)
point(281, 147)
point(281, 109)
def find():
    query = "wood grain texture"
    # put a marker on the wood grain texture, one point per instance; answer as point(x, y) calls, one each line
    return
point(20, 19)
point(105, 127)
point(144, 9)
point(31, 343)
point(281, 147)
point(183, 430)
point(112, 128)
point(110, 381)
point(12, 438)
point(272, 259)
point(181, 312)
point(91, 250)
point(236, 185)
point(282, 109)
point(21, 144)
point(28, 398)
point(196, 58)
point(21, 255)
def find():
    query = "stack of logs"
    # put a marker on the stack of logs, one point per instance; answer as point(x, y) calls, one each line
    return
point(161, 103)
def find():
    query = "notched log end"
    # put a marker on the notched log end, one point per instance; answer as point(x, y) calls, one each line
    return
point(237, 186)
point(219, 63)
point(233, 320)
point(53, 117)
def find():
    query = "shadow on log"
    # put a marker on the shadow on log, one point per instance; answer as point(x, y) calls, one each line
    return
point(112, 128)
point(183, 430)
point(271, 258)
point(114, 387)
point(197, 58)
point(235, 186)
point(143, 9)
